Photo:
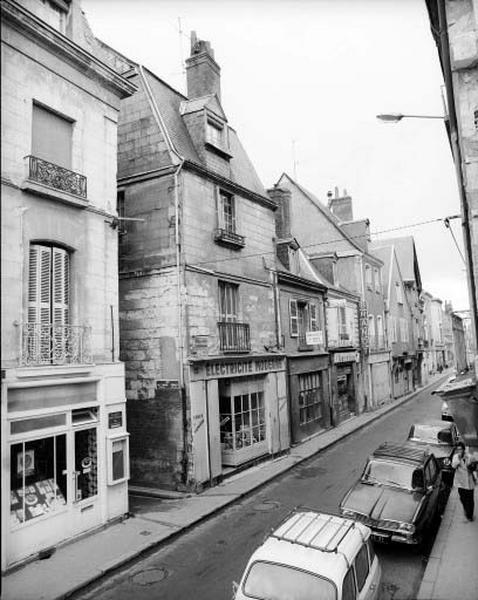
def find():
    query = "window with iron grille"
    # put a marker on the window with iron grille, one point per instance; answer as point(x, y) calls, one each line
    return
point(310, 398)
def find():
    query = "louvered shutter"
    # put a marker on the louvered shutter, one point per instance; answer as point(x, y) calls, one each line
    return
point(39, 304)
point(332, 325)
point(293, 318)
point(219, 209)
point(60, 291)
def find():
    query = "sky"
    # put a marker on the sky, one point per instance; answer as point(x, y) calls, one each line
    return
point(302, 82)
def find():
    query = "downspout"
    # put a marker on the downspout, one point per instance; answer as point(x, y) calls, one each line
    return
point(179, 266)
point(448, 75)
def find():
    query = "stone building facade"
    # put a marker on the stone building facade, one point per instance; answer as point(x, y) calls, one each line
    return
point(454, 27)
point(205, 378)
point(64, 439)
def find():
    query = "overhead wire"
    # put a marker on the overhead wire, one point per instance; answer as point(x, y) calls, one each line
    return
point(328, 242)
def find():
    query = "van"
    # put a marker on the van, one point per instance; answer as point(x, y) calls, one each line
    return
point(312, 555)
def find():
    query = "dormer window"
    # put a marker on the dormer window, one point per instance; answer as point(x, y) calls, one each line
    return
point(215, 133)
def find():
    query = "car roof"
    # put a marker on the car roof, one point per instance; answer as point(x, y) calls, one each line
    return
point(435, 423)
point(401, 452)
point(317, 542)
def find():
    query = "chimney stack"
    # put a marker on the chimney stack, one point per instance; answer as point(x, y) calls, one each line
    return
point(282, 196)
point(203, 74)
point(340, 206)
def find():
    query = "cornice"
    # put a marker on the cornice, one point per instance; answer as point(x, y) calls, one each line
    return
point(30, 25)
point(297, 281)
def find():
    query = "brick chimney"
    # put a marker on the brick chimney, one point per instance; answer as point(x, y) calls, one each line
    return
point(203, 74)
point(282, 197)
point(340, 206)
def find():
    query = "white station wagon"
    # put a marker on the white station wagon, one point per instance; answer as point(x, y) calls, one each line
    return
point(313, 556)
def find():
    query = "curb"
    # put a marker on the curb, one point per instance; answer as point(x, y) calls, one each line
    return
point(155, 545)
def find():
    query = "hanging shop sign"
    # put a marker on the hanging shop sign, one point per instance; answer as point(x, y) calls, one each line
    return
point(249, 366)
point(344, 357)
point(313, 338)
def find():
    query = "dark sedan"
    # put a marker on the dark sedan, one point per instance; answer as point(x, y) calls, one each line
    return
point(439, 438)
point(399, 495)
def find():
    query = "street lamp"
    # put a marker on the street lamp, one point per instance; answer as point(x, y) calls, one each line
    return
point(396, 117)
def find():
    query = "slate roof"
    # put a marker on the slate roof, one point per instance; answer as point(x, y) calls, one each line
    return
point(406, 256)
point(169, 103)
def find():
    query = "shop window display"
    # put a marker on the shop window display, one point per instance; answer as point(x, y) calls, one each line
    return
point(310, 398)
point(37, 478)
point(242, 420)
point(86, 463)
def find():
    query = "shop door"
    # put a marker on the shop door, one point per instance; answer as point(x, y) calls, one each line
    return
point(84, 468)
point(380, 383)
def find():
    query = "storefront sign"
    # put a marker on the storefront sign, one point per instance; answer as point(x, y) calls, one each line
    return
point(214, 369)
point(313, 338)
point(343, 357)
point(115, 419)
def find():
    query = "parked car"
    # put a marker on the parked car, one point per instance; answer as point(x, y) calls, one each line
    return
point(400, 494)
point(313, 555)
point(440, 438)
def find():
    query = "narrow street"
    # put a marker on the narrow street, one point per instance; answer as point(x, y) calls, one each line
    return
point(203, 563)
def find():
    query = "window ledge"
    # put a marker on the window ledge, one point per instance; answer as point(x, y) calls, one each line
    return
point(53, 194)
point(229, 238)
point(218, 150)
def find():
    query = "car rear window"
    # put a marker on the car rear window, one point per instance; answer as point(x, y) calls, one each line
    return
point(281, 582)
point(388, 472)
point(426, 433)
point(361, 567)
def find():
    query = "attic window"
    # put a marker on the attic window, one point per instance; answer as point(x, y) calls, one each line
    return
point(475, 118)
point(215, 133)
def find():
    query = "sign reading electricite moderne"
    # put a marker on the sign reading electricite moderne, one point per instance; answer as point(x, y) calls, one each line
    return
point(213, 369)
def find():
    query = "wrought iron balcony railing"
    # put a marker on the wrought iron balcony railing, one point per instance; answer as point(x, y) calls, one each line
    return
point(234, 337)
point(56, 177)
point(51, 344)
point(229, 238)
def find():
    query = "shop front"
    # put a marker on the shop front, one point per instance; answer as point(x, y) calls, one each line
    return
point(380, 378)
point(345, 374)
point(309, 396)
point(238, 412)
point(67, 466)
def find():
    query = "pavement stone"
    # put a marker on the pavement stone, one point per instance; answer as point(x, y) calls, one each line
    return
point(79, 563)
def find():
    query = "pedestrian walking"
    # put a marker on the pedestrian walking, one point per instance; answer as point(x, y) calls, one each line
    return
point(465, 478)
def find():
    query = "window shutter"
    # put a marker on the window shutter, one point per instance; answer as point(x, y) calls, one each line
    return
point(219, 209)
point(39, 285)
point(61, 286)
point(293, 318)
point(51, 137)
point(332, 325)
point(313, 316)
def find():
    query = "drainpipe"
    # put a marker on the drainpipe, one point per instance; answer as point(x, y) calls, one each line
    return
point(458, 160)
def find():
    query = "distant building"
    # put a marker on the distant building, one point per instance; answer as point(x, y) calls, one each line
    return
point(64, 440)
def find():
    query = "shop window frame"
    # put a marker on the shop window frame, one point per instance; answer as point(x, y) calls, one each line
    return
point(316, 392)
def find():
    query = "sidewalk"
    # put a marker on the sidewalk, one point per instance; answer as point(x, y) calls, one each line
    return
point(79, 563)
point(452, 569)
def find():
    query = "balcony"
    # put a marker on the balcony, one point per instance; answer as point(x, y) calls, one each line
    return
point(47, 179)
point(229, 238)
point(50, 344)
point(234, 337)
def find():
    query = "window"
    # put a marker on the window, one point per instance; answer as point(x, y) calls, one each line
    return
point(228, 301)
point(371, 330)
point(404, 334)
point(241, 417)
point(380, 331)
point(348, 588)
point(215, 134)
point(227, 212)
point(51, 137)
point(475, 118)
point(48, 302)
point(310, 398)
point(399, 293)
point(368, 277)
point(293, 318)
point(378, 282)
point(37, 478)
point(303, 316)
point(392, 326)
point(361, 567)
point(430, 472)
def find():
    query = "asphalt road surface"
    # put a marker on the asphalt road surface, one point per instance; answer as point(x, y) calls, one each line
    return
point(203, 563)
